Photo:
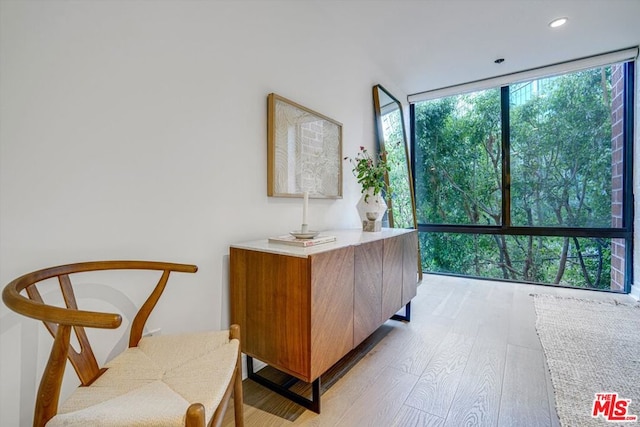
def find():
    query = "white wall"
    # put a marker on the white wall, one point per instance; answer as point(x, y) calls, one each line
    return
point(137, 130)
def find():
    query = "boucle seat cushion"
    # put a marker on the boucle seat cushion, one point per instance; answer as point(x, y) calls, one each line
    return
point(154, 384)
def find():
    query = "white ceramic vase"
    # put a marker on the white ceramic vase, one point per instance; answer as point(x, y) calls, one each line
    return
point(371, 209)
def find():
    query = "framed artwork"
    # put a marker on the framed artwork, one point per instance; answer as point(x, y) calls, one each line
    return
point(304, 151)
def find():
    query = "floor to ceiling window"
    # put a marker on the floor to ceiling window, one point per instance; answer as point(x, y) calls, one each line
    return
point(529, 181)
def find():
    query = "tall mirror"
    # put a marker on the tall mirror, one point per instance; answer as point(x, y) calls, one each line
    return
point(392, 138)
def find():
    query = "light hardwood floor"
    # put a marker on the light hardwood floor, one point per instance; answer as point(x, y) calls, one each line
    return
point(469, 357)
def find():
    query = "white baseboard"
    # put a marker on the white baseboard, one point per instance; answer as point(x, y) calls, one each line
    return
point(635, 292)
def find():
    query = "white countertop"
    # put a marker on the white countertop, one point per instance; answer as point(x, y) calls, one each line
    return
point(349, 237)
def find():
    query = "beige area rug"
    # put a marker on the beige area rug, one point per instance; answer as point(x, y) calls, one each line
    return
point(591, 347)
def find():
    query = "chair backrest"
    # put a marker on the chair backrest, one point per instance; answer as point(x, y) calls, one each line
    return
point(61, 320)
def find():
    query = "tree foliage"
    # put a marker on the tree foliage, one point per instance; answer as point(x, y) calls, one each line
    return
point(560, 172)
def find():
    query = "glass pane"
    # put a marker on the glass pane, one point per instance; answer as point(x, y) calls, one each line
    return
point(397, 155)
point(561, 156)
point(567, 261)
point(458, 159)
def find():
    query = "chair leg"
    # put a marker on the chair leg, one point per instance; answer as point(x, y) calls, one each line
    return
point(195, 415)
point(238, 401)
point(238, 404)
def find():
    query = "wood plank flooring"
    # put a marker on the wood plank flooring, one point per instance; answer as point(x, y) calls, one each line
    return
point(469, 357)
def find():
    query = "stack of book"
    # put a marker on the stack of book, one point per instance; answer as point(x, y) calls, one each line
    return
point(291, 240)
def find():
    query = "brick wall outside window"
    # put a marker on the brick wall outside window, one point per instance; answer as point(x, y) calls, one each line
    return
point(617, 116)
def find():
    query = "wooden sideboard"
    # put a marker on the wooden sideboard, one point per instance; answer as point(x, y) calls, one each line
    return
point(301, 310)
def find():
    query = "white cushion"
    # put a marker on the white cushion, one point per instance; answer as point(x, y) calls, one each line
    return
point(154, 384)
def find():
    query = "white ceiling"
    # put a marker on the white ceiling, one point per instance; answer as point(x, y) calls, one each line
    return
point(429, 44)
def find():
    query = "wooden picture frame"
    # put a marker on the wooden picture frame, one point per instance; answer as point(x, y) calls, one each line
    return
point(304, 151)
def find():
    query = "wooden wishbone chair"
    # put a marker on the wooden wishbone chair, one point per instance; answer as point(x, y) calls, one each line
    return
point(184, 379)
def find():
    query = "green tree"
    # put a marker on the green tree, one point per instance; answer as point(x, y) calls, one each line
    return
point(560, 176)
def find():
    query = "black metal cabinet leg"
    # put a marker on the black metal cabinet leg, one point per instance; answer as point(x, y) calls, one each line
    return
point(283, 390)
point(407, 314)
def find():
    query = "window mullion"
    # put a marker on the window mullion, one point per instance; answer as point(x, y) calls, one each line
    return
point(506, 157)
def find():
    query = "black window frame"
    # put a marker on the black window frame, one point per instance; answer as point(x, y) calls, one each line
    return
point(625, 232)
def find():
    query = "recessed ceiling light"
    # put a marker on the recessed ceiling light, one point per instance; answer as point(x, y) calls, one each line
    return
point(558, 22)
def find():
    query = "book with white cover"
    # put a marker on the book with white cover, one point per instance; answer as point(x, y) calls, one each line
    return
point(291, 240)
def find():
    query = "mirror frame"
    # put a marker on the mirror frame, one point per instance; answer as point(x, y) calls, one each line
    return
point(381, 146)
